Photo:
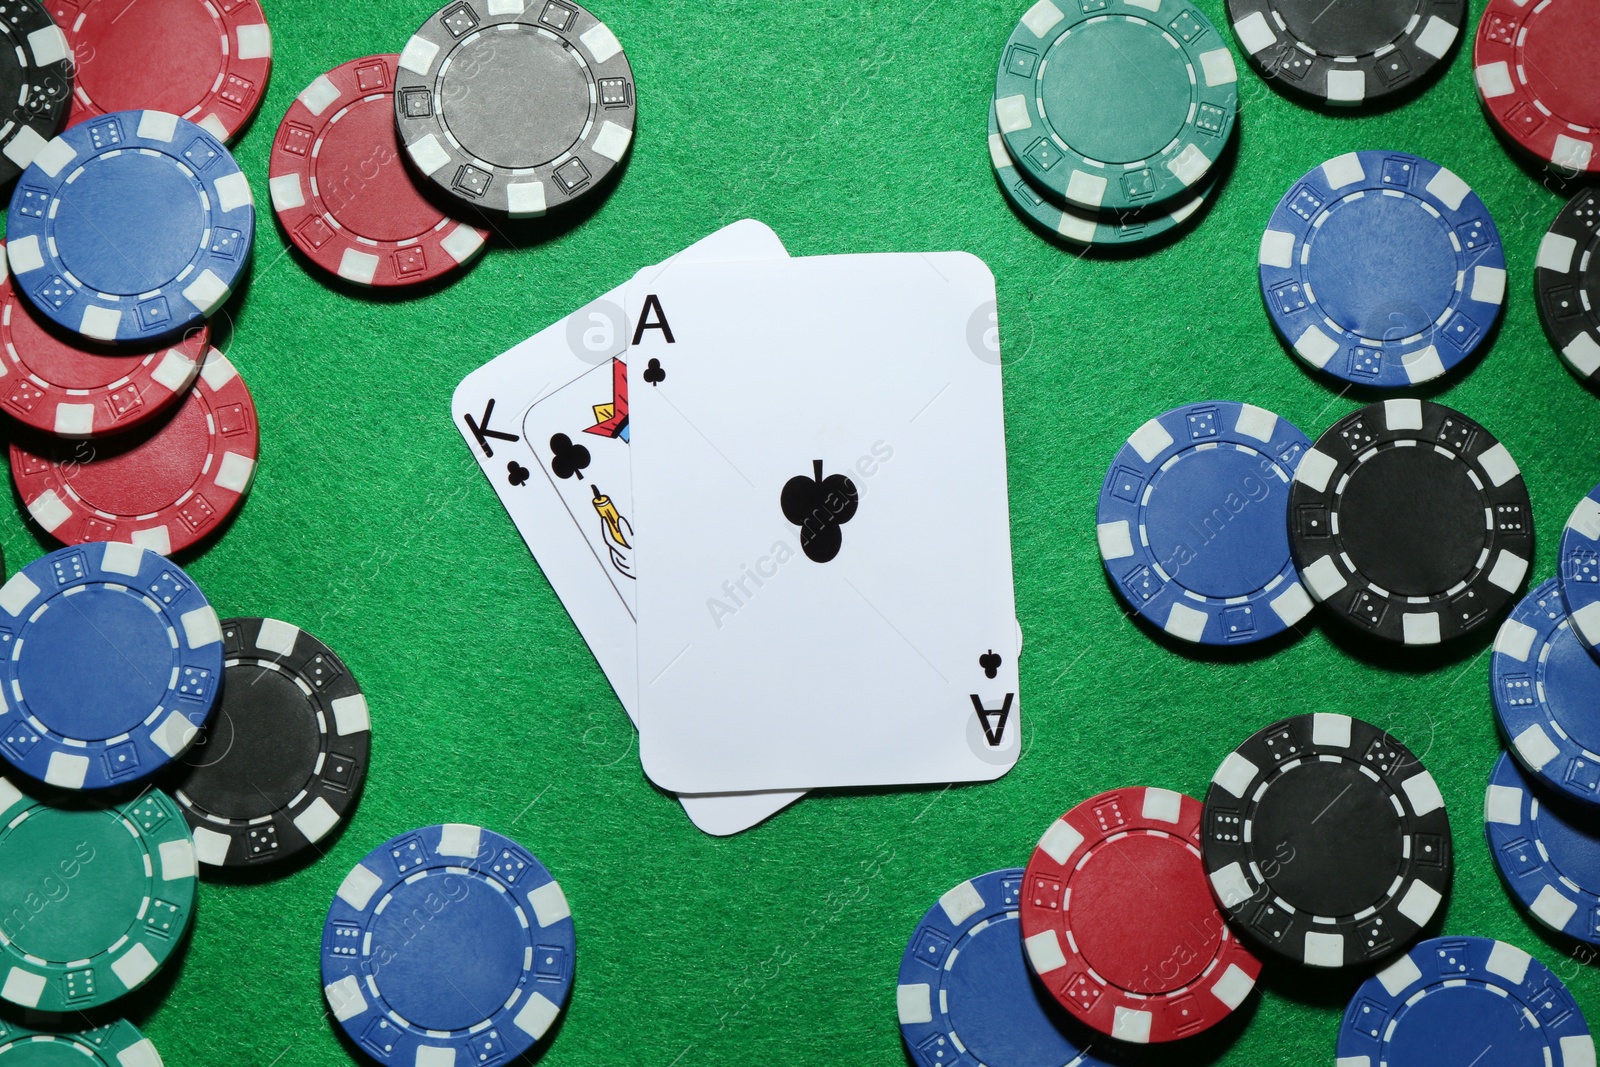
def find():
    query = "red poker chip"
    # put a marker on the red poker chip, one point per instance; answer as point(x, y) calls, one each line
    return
point(207, 62)
point(1119, 922)
point(341, 189)
point(68, 386)
point(162, 487)
point(1538, 78)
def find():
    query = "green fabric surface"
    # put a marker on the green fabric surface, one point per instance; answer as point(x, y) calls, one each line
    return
point(848, 126)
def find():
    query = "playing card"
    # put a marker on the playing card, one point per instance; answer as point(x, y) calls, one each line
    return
point(571, 365)
point(824, 587)
point(579, 435)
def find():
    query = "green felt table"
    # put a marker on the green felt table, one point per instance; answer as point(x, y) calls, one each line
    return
point(848, 126)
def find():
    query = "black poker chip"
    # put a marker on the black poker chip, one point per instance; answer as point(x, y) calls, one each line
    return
point(36, 79)
point(282, 760)
point(1326, 841)
point(1411, 522)
point(1568, 284)
point(1347, 53)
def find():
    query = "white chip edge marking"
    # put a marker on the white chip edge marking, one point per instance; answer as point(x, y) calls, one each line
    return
point(1150, 440)
point(1186, 623)
point(1346, 87)
point(319, 94)
point(253, 41)
point(157, 126)
point(600, 41)
point(1011, 112)
point(549, 904)
point(1324, 578)
point(1535, 747)
point(1331, 730)
point(344, 997)
point(1060, 841)
point(1509, 962)
point(1130, 1025)
point(1436, 37)
point(1448, 189)
point(286, 192)
point(460, 839)
point(1494, 80)
point(1293, 604)
point(1344, 170)
point(1324, 950)
point(1163, 805)
point(1116, 539)
point(418, 56)
point(961, 903)
point(1041, 18)
point(1255, 33)
point(358, 887)
point(350, 715)
point(1315, 469)
point(914, 1004)
point(315, 822)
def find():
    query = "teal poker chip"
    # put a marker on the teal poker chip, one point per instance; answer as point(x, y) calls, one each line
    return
point(117, 1044)
point(1085, 227)
point(1116, 108)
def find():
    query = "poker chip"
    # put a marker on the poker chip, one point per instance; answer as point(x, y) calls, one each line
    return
point(515, 109)
point(112, 658)
point(35, 78)
point(342, 191)
point(1580, 568)
point(1411, 522)
point(1453, 1000)
point(164, 487)
point(204, 62)
point(132, 885)
point(1113, 885)
point(1382, 269)
point(481, 981)
point(1548, 857)
point(140, 182)
point(1346, 55)
point(1326, 841)
point(118, 1044)
point(1546, 688)
point(1567, 279)
point(1085, 227)
point(965, 996)
point(62, 385)
point(1536, 75)
point(1116, 109)
point(1192, 523)
point(283, 758)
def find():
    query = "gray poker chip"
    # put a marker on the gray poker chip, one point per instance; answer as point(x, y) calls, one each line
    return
point(515, 106)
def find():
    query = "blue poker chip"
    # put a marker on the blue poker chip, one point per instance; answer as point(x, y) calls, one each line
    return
point(448, 944)
point(967, 998)
point(1452, 1001)
point(1193, 523)
point(1548, 859)
point(1546, 687)
point(1579, 568)
point(130, 227)
point(1382, 269)
point(111, 657)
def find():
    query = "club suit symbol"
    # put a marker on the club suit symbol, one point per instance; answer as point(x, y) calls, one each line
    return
point(820, 506)
point(990, 662)
point(566, 458)
point(653, 372)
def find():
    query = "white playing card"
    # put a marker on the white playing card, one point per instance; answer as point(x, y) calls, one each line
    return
point(824, 586)
point(561, 365)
